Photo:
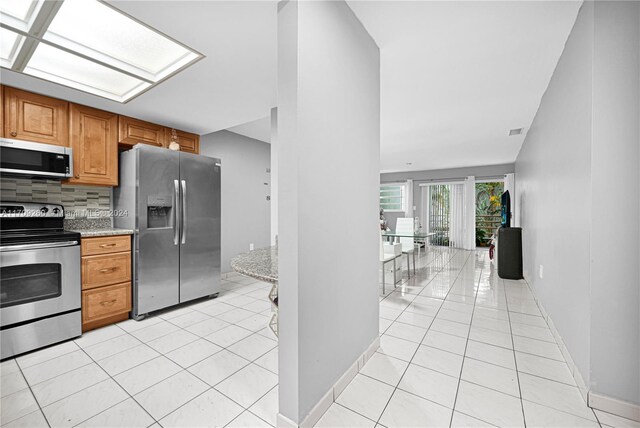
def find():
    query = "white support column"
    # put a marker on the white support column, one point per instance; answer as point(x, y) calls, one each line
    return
point(328, 224)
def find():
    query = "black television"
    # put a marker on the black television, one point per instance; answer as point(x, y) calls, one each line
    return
point(505, 212)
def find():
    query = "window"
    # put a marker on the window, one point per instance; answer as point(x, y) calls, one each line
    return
point(393, 197)
point(88, 45)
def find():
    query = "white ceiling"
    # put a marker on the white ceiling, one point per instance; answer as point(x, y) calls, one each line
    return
point(235, 83)
point(258, 129)
point(456, 76)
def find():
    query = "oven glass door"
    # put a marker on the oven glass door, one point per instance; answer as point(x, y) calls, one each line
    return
point(30, 283)
point(36, 283)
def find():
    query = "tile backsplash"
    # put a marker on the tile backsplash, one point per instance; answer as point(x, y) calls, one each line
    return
point(76, 199)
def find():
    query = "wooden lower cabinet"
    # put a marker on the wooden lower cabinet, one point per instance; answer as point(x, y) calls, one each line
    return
point(105, 269)
point(105, 245)
point(106, 280)
point(105, 305)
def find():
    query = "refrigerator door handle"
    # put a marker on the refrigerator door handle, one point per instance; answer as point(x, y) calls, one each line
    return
point(175, 212)
point(184, 211)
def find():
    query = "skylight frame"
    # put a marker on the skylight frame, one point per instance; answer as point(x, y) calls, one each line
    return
point(15, 48)
point(32, 34)
point(24, 24)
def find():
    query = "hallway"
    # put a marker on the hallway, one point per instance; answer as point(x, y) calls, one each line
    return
point(455, 336)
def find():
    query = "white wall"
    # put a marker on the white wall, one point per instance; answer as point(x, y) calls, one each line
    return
point(553, 192)
point(328, 148)
point(578, 187)
point(615, 196)
point(245, 209)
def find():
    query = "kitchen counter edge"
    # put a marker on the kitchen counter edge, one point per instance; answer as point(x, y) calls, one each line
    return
point(89, 233)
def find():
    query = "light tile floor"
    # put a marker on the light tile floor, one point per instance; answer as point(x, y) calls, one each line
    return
point(459, 347)
point(211, 363)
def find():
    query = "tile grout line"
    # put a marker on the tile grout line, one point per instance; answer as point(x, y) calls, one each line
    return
point(395, 388)
point(466, 344)
point(117, 383)
point(182, 369)
point(34, 398)
point(563, 357)
point(515, 360)
point(530, 291)
point(423, 337)
point(125, 332)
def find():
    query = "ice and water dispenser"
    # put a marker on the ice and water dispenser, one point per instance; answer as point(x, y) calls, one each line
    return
point(159, 211)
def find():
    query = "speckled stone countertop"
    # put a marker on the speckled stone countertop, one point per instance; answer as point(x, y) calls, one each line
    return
point(89, 227)
point(261, 264)
point(88, 233)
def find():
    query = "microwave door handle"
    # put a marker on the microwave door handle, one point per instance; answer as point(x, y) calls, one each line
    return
point(176, 198)
point(184, 211)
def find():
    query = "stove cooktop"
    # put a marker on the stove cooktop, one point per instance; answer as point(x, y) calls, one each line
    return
point(15, 237)
point(32, 223)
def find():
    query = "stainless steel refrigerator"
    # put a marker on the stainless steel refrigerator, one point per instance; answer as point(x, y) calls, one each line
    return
point(172, 202)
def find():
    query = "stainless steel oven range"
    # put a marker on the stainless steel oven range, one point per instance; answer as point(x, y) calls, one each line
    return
point(39, 278)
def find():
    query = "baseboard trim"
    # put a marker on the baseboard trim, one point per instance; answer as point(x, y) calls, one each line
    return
point(614, 406)
point(284, 422)
point(318, 410)
point(575, 372)
point(592, 399)
point(333, 393)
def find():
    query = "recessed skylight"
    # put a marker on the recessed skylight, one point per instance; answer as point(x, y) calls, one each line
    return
point(67, 69)
point(9, 44)
point(20, 14)
point(515, 131)
point(90, 46)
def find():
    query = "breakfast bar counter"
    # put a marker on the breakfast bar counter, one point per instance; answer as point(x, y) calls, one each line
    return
point(261, 264)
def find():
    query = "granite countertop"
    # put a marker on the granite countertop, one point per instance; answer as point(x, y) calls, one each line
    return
point(89, 227)
point(261, 264)
point(88, 233)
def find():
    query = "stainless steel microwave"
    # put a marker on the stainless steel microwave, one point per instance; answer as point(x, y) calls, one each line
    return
point(27, 159)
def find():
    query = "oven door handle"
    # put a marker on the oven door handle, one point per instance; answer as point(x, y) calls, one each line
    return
point(37, 246)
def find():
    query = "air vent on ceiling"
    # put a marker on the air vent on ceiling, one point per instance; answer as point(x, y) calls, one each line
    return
point(515, 131)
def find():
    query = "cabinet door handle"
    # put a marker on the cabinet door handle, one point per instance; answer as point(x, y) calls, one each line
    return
point(105, 270)
point(107, 245)
point(14, 134)
point(108, 302)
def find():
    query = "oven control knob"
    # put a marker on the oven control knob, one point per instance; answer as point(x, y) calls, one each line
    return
point(44, 210)
point(56, 210)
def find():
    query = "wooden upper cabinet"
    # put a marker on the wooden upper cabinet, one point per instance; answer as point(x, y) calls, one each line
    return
point(94, 138)
point(133, 131)
point(189, 143)
point(34, 117)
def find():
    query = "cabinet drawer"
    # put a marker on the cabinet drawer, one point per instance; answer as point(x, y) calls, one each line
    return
point(105, 245)
point(105, 270)
point(105, 302)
